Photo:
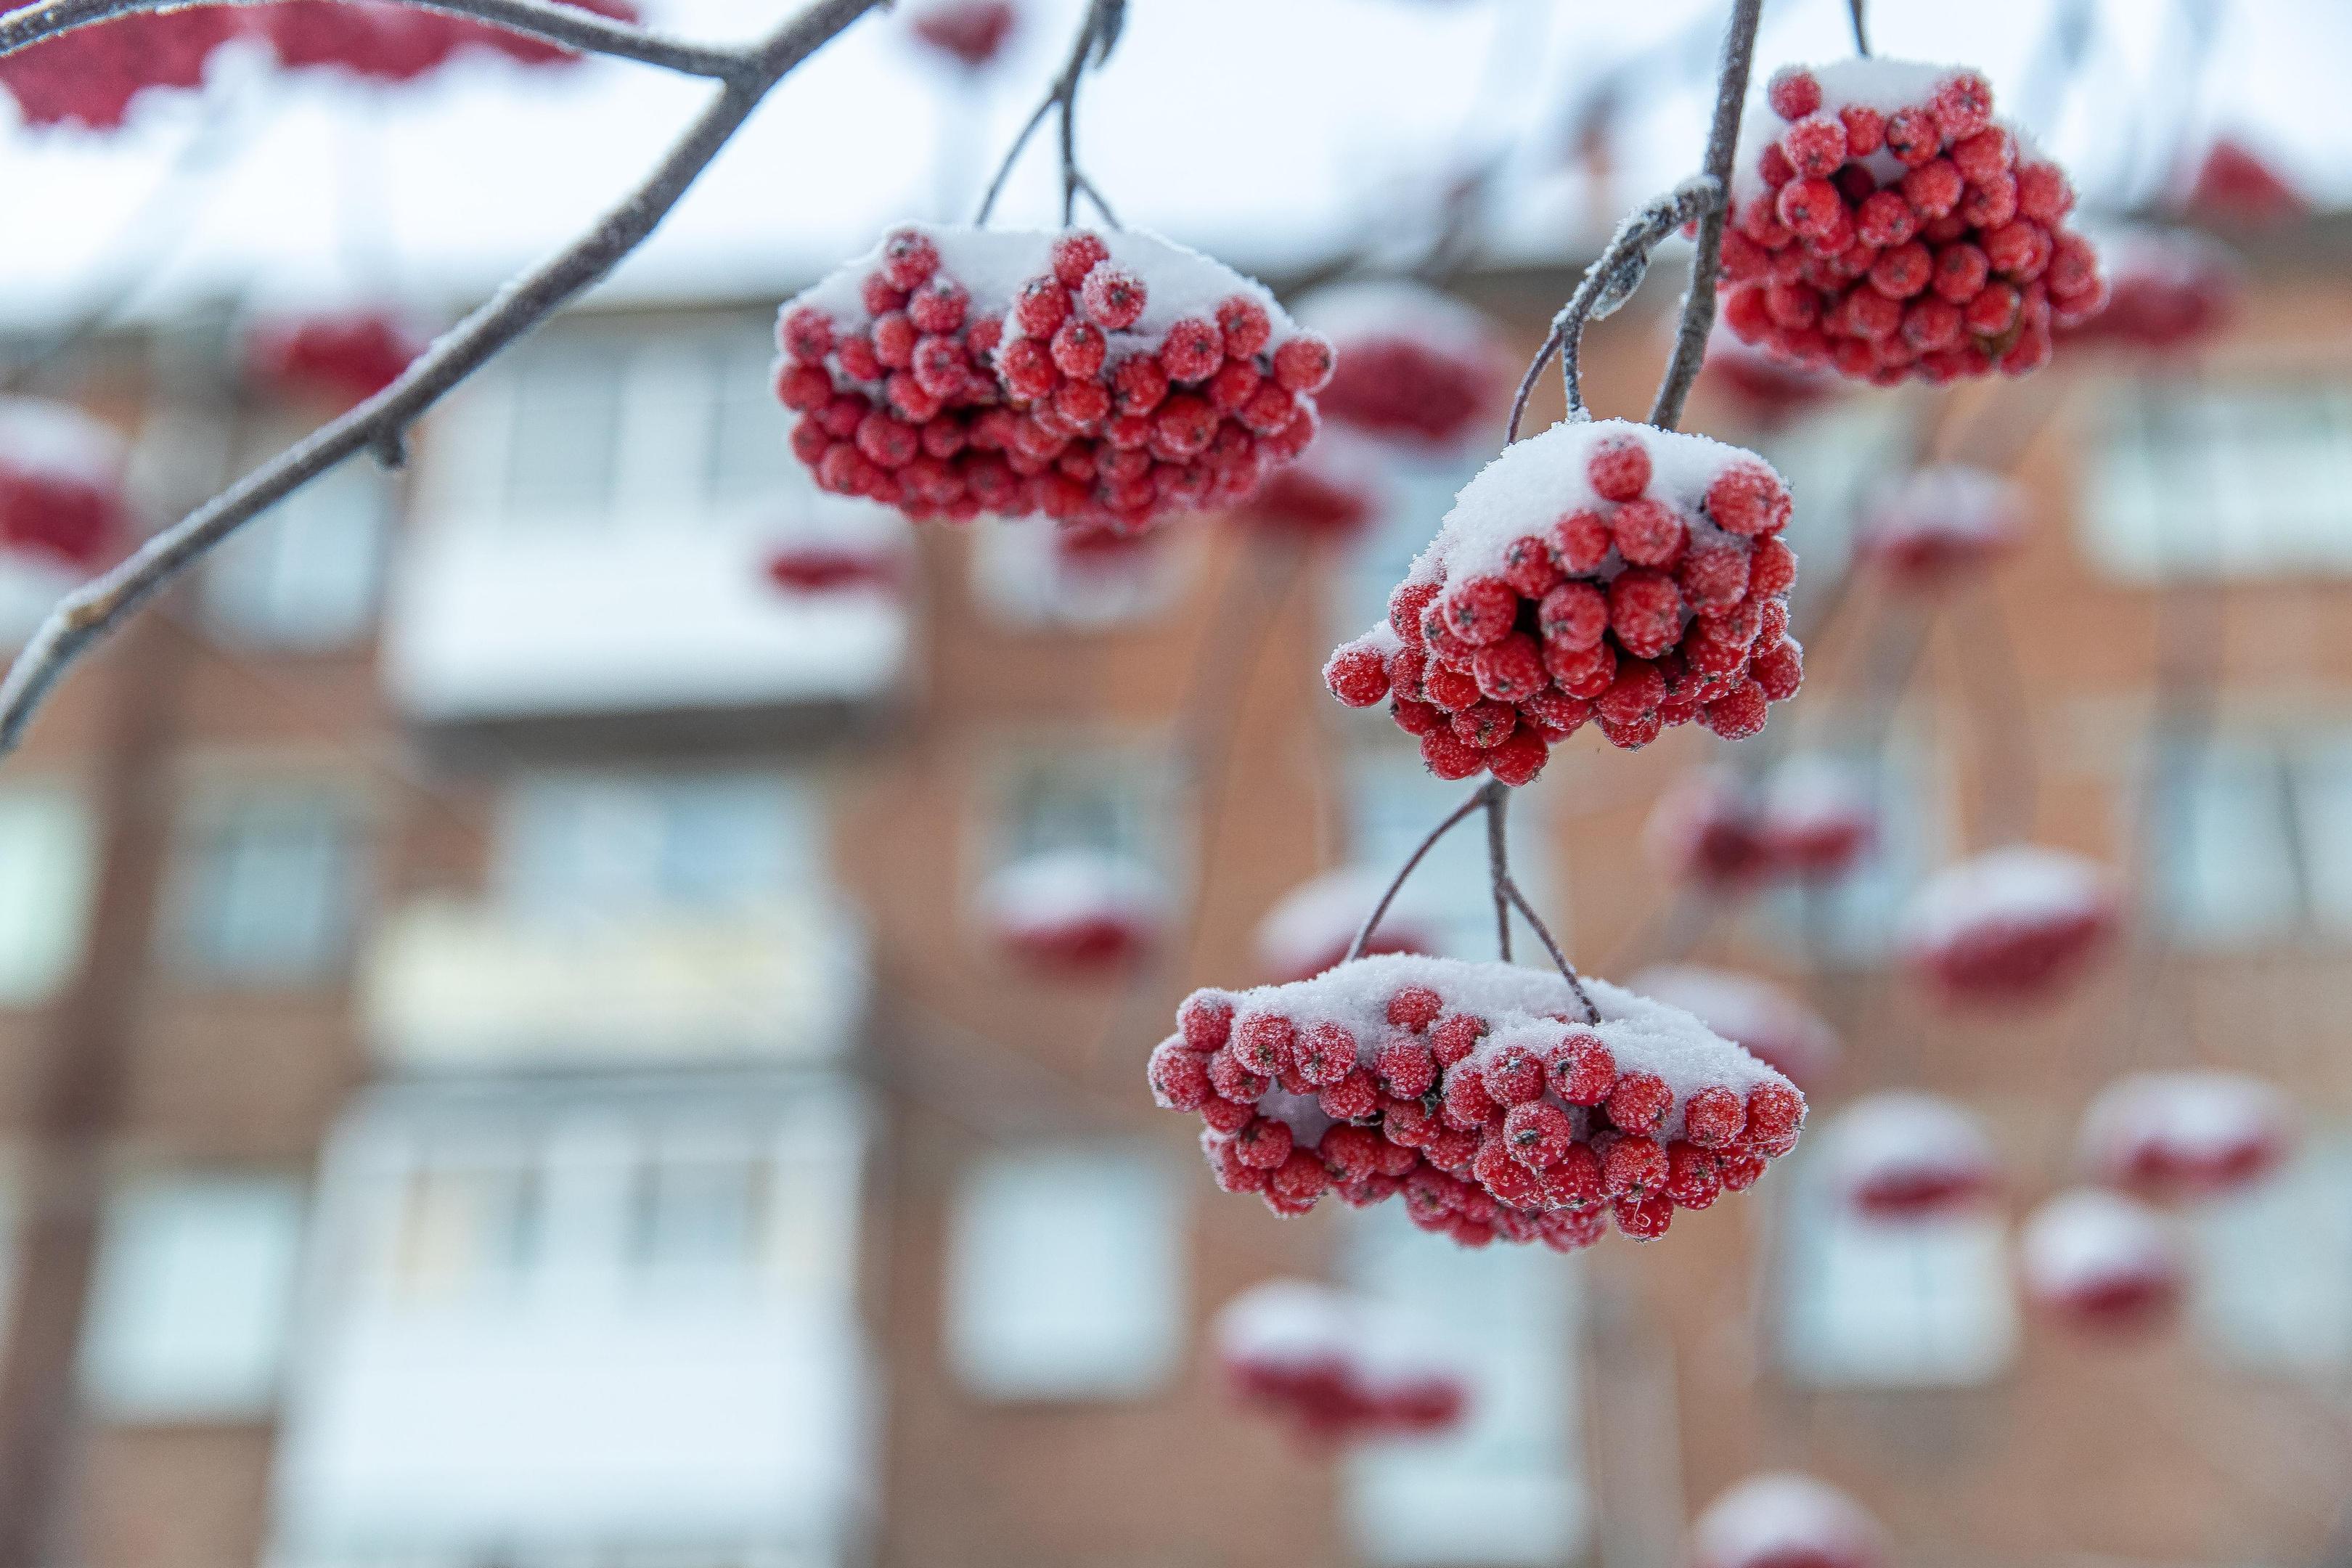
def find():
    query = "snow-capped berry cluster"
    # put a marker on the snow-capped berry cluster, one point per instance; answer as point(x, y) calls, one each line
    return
point(1810, 821)
point(2101, 1261)
point(1311, 928)
point(61, 484)
point(88, 77)
point(1338, 1365)
point(2010, 926)
point(347, 356)
point(1610, 572)
point(1102, 381)
point(1332, 492)
point(2169, 289)
point(1890, 228)
point(2236, 184)
point(378, 40)
point(1075, 910)
point(824, 546)
point(1757, 1016)
point(2176, 1136)
point(971, 33)
point(1936, 526)
point(1417, 369)
point(1905, 1156)
point(1472, 1092)
point(1782, 1519)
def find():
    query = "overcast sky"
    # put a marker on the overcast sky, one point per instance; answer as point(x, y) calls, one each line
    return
point(1271, 131)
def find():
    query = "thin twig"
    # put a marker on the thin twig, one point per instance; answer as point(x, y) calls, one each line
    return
point(1608, 283)
point(1099, 30)
point(1372, 922)
point(565, 24)
point(1861, 32)
point(1498, 862)
point(381, 424)
point(1559, 960)
point(1706, 259)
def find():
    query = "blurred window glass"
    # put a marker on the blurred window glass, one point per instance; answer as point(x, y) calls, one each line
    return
point(468, 1226)
point(1864, 1303)
point(2275, 1290)
point(564, 436)
point(1393, 802)
point(2254, 845)
point(578, 845)
point(304, 575)
point(1507, 1487)
point(266, 887)
point(2220, 478)
point(751, 452)
point(190, 1305)
point(1065, 1276)
point(48, 867)
point(1851, 919)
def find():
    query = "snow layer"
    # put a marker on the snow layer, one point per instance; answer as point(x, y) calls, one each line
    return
point(1537, 481)
point(1308, 930)
point(1766, 1021)
point(52, 440)
point(2085, 1241)
point(2023, 885)
point(1783, 1518)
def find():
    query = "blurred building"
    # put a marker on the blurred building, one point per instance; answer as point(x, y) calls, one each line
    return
point(522, 986)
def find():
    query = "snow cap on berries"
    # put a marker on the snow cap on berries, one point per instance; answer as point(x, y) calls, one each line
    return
point(1766, 1021)
point(1782, 1519)
point(2101, 1261)
point(2171, 1136)
point(1309, 928)
point(2013, 925)
point(62, 500)
point(1935, 524)
point(1339, 1364)
point(1074, 909)
point(1417, 369)
point(1905, 1155)
point(2168, 288)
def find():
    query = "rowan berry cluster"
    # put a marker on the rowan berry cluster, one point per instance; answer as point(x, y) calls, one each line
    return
point(1336, 1365)
point(2183, 1136)
point(2103, 1262)
point(1477, 1095)
point(1782, 1519)
point(1106, 382)
point(1075, 910)
point(61, 478)
point(1417, 369)
point(971, 33)
point(1908, 1156)
point(1890, 228)
point(1807, 822)
point(347, 356)
point(2012, 926)
point(1616, 573)
point(2171, 288)
point(1937, 525)
point(1759, 1017)
point(88, 77)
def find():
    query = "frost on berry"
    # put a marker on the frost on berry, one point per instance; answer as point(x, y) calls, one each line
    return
point(1466, 1092)
point(2173, 1136)
point(2010, 928)
point(62, 502)
point(1075, 910)
point(1416, 368)
point(1886, 228)
point(1782, 1520)
point(1077, 376)
point(1308, 930)
point(2101, 1262)
point(1901, 1155)
point(1339, 1367)
point(1606, 571)
point(1936, 526)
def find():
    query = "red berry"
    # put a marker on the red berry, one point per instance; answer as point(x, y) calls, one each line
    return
point(1573, 614)
point(1514, 1076)
point(1865, 129)
point(1481, 610)
point(1748, 499)
point(1235, 1081)
point(1630, 1164)
point(1325, 1054)
point(1913, 137)
point(1511, 670)
point(1113, 297)
point(1448, 758)
point(1714, 1117)
point(1814, 147)
point(1352, 1098)
point(1934, 188)
point(1645, 611)
point(1226, 1116)
point(1450, 689)
point(1077, 253)
point(1041, 307)
point(1405, 607)
point(1963, 106)
point(1529, 567)
point(1304, 364)
point(909, 259)
point(1484, 725)
point(1246, 327)
point(1810, 206)
point(1350, 1154)
point(1414, 1007)
point(1520, 758)
point(2043, 195)
point(1456, 1036)
point(1537, 1135)
point(1179, 1077)
point(1262, 1144)
point(1649, 533)
point(1079, 349)
point(1778, 670)
point(1903, 270)
point(1692, 1181)
point(1582, 542)
point(1740, 1169)
point(805, 334)
point(1737, 716)
point(1714, 577)
point(1639, 1101)
point(1264, 1042)
point(1467, 1104)
point(879, 296)
point(1771, 567)
point(1405, 1068)
point(1794, 93)
point(1357, 675)
point(1619, 468)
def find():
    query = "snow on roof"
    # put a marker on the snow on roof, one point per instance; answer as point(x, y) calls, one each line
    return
point(1784, 1518)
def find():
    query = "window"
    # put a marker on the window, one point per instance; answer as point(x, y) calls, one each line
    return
point(1066, 1277)
point(2256, 839)
point(468, 1226)
point(190, 1305)
point(48, 855)
point(267, 887)
point(1852, 918)
point(304, 575)
point(1865, 1303)
point(1508, 1488)
point(1392, 803)
point(2277, 1291)
point(581, 844)
point(1113, 802)
point(2232, 479)
point(1832, 460)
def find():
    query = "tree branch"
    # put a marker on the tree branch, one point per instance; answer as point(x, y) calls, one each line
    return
point(1607, 284)
point(381, 423)
point(540, 19)
point(1498, 862)
point(1559, 960)
point(1707, 260)
point(1098, 31)
point(1372, 922)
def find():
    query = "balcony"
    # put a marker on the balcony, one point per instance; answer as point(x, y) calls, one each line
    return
point(450, 986)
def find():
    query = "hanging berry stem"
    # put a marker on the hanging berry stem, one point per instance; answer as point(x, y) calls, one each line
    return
point(1097, 33)
point(1861, 32)
point(1498, 862)
point(1372, 922)
point(1707, 260)
point(1559, 960)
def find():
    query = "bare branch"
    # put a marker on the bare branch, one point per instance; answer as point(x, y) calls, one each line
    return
point(1860, 29)
point(554, 24)
point(1707, 261)
point(1372, 922)
point(1607, 284)
point(1559, 960)
point(1498, 863)
point(1098, 32)
point(379, 425)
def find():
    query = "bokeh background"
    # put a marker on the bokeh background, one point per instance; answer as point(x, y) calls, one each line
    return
point(512, 1052)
